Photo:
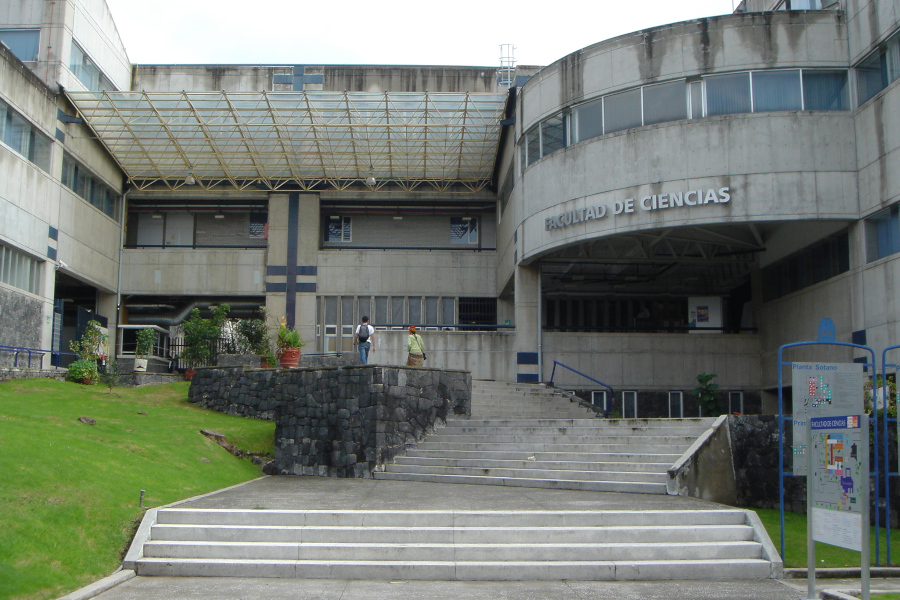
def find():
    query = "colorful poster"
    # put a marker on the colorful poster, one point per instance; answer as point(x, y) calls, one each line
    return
point(822, 390)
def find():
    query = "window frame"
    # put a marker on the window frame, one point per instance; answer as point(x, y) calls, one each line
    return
point(346, 229)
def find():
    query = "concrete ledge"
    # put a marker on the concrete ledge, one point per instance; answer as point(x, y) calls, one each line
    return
point(141, 536)
point(706, 469)
point(98, 587)
point(769, 551)
point(843, 573)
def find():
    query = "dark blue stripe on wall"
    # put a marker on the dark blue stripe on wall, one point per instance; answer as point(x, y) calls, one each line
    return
point(51, 253)
point(292, 240)
point(276, 287)
point(527, 378)
point(53, 233)
point(276, 271)
point(527, 358)
point(307, 270)
point(306, 287)
point(282, 271)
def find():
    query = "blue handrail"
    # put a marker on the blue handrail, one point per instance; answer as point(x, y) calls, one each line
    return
point(29, 351)
point(597, 381)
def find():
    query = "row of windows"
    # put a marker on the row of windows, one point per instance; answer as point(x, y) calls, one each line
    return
point(731, 93)
point(24, 43)
point(19, 270)
point(463, 230)
point(86, 71)
point(21, 136)
point(813, 264)
point(81, 181)
point(883, 233)
point(879, 69)
point(401, 311)
point(209, 229)
point(677, 407)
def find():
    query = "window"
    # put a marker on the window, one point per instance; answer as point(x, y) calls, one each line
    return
point(24, 43)
point(629, 405)
point(878, 70)
point(81, 181)
point(816, 263)
point(258, 225)
point(477, 312)
point(20, 270)
point(598, 399)
point(86, 71)
point(776, 90)
point(622, 111)
point(553, 134)
point(665, 102)
point(883, 233)
point(727, 94)
point(589, 120)
point(825, 90)
point(463, 230)
point(676, 405)
point(532, 146)
point(735, 403)
point(800, 5)
point(17, 133)
point(338, 229)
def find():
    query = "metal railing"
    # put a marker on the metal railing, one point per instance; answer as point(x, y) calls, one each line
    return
point(597, 381)
point(17, 350)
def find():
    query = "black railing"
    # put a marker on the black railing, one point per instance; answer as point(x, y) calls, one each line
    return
point(177, 348)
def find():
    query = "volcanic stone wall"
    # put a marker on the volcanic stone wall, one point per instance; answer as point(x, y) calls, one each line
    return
point(338, 422)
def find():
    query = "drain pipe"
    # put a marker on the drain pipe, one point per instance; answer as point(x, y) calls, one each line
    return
point(540, 324)
point(119, 276)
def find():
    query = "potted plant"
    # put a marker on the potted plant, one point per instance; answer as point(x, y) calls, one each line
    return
point(289, 344)
point(146, 340)
point(90, 349)
point(258, 339)
point(200, 336)
point(82, 371)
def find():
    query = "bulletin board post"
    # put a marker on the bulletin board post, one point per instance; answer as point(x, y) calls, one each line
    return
point(837, 491)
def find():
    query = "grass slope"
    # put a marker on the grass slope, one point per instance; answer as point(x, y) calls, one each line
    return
point(826, 554)
point(70, 491)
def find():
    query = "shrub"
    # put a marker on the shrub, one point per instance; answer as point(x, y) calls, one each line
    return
point(81, 370)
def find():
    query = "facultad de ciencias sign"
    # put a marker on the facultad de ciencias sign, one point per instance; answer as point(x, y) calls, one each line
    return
point(647, 203)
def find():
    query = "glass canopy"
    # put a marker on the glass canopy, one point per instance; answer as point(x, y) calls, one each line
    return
point(306, 139)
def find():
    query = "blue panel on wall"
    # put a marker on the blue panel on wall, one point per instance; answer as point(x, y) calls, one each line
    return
point(53, 233)
point(276, 287)
point(276, 271)
point(527, 378)
point(527, 358)
point(859, 337)
point(51, 253)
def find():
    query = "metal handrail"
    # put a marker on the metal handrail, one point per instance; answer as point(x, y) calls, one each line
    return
point(20, 349)
point(597, 381)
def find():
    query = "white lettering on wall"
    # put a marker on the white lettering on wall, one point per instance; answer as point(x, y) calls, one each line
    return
point(689, 198)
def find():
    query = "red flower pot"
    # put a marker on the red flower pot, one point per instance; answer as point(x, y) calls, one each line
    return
point(290, 358)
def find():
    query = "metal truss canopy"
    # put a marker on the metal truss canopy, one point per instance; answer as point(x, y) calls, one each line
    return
point(306, 139)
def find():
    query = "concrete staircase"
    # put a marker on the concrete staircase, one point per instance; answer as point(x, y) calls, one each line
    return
point(533, 436)
point(518, 436)
point(459, 545)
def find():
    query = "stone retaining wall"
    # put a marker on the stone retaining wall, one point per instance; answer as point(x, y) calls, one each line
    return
point(339, 421)
point(8, 374)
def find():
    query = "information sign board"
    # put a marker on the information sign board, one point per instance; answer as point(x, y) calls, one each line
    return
point(822, 390)
point(839, 476)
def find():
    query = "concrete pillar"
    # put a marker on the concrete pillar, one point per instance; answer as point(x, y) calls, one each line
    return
point(528, 323)
point(291, 267)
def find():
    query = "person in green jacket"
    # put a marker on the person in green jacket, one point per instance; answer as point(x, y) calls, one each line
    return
point(416, 348)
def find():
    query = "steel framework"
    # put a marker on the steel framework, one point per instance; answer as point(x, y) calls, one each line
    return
point(308, 139)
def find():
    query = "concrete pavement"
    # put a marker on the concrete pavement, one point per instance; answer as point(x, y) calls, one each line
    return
point(327, 493)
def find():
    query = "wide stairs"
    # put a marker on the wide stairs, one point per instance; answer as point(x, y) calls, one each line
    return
point(534, 436)
point(517, 436)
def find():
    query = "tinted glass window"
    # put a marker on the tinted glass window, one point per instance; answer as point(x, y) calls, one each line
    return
point(622, 111)
point(727, 94)
point(776, 90)
point(589, 118)
point(665, 102)
point(825, 90)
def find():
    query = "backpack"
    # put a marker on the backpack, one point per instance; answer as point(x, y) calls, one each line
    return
point(363, 332)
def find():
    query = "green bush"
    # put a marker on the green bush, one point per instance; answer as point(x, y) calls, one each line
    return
point(146, 340)
point(81, 370)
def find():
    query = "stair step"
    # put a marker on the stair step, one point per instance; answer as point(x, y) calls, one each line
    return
point(696, 533)
point(632, 487)
point(536, 464)
point(460, 571)
point(537, 473)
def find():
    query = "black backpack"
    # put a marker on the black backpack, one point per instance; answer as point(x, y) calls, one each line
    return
point(363, 332)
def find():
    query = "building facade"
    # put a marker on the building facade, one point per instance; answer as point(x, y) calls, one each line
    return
point(678, 200)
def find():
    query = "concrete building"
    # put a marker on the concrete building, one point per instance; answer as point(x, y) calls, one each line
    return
point(677, 200)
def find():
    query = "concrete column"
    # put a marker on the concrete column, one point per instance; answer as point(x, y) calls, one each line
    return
point(291, 267)
point(528, 323)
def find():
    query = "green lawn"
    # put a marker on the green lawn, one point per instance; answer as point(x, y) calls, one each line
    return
point(826, 554)
point(70, 491)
